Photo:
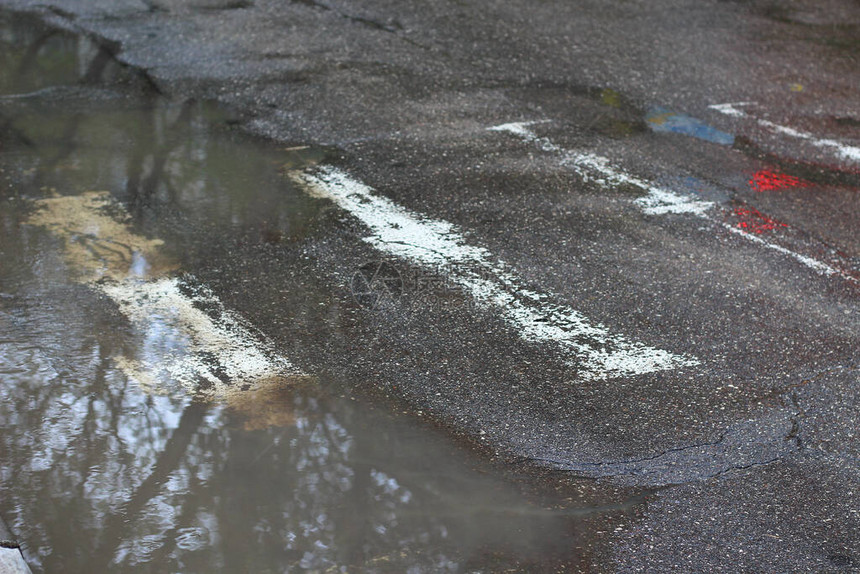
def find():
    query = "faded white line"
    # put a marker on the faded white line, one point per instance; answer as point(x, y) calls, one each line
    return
point(848, 152)
point(183, 343)
point(657, 200)
point(814, 264)
point(437, 244)
point(731, 109)
point(592, 167)
point(187, 335)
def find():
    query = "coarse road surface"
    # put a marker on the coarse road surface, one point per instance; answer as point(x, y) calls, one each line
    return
point(614, 239)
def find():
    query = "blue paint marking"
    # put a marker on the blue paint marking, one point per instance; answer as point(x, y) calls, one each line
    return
point(663, 120)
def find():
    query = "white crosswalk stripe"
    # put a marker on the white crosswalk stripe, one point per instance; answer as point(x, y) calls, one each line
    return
point(657, 200)
point(436, 244)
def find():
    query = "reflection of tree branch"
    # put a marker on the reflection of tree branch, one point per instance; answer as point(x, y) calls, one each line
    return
point(29, 56)
point(197, 492)
point(356, 510)
point(116, 410)
point(87, 427)
point(97, 66)
point(142, 143)
point(118, 525)
point(141, 188)
point(154, 423)
point(172, 140)
point(9, 126)
point(99, 391)
point(66, 143)
point(41, 402)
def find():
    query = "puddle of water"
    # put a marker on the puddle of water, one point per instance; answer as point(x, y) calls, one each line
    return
point(663, 120)
point(146, 427)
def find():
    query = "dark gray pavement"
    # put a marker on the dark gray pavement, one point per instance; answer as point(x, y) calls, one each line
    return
point(757, 443)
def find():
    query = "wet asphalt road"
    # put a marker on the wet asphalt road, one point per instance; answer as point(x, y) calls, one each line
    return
point(755, 435)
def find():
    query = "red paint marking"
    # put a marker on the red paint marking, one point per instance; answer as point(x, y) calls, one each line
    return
point(754, 221)
point(768, 180)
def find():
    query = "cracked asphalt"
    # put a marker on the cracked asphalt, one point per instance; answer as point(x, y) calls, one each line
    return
point(752, 447)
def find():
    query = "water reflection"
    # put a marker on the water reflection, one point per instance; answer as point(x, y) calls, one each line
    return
point(186, 334)
point(100, 476)
point(102, 472)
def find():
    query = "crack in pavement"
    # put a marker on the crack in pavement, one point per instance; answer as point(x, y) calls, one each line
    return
point(634, 460)
point(746, 466)
point(755, 442)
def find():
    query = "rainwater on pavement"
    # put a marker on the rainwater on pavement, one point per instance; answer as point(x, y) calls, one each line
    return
point(144, 425)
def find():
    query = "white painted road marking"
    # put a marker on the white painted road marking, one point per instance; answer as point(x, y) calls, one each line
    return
point(815, 264)
point(188, 335)
point(183, 343)
point(438, 244)
point(592, 167)
point(848, 152)
point(657, 200)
